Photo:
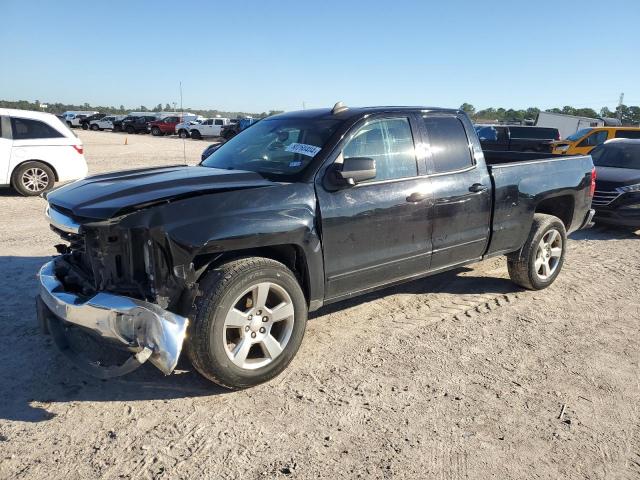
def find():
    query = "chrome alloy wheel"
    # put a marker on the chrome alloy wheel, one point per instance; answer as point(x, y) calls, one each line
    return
point(548, 254)
point(258, 326)
point(35, 179)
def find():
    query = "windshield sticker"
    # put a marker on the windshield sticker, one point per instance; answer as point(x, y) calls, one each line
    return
point(304, 149)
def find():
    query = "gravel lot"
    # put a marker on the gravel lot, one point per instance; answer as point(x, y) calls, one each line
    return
point(462, 375)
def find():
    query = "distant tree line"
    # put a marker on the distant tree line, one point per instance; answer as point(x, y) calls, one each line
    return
point(629, 115)
point(58, 108)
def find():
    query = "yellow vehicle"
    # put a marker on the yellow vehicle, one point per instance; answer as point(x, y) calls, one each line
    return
point(586, 139)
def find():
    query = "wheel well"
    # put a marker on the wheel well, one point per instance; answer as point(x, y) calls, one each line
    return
point(561, 207)
point(290, 255)
point(15, 169)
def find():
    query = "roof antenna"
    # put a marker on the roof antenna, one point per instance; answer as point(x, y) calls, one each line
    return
point(339, 107)
point(184, 140)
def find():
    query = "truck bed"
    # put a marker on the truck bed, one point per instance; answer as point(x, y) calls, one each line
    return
point(526, 183)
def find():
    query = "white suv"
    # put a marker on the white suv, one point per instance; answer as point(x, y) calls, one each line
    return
point(105, 123)
point(36, 150)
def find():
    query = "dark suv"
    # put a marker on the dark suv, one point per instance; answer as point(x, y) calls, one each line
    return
point(617, 195)
point(517, 138)
point(138, 124)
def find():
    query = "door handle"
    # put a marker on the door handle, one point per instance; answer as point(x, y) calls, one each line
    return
point(416, 197)
point(478, 187)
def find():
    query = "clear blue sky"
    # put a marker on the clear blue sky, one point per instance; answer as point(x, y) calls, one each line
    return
point(262, 55)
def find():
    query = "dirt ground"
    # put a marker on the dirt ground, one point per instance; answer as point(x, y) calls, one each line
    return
point(462, 375)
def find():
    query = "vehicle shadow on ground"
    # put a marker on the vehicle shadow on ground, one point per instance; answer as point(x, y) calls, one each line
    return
point(605, 232)
point(34, 374)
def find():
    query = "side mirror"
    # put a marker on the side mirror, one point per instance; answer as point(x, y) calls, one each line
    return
point(351, 172)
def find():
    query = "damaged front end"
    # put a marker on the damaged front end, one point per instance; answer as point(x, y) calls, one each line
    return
point(120, 283)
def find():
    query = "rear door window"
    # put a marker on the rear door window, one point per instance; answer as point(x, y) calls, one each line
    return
point(627, 134)
point(449, 143)
point(28, 129)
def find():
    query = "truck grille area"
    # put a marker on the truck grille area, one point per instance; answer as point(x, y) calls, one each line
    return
point(104, 260)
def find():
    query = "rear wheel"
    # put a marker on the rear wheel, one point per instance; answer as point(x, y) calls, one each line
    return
point(130, 130)
point(85, 126)
point(195, 134)
point(538, 263)
point(183, 134)
point(248, 322)
point(33, 178)
point(156, 132)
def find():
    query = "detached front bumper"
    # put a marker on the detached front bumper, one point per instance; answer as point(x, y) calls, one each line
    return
point(143, 328)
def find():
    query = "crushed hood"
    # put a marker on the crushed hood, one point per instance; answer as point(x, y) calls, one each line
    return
point(105, 196)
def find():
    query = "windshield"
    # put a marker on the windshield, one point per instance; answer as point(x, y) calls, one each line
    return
point(274, 147)
point(574, 137)
point(617, 155)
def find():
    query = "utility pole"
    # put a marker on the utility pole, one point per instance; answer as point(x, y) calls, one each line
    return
point(620, 102)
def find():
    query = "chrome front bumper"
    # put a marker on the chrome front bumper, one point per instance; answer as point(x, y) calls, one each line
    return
point(144, 328)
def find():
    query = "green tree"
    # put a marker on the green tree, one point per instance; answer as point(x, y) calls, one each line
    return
point(468, 109)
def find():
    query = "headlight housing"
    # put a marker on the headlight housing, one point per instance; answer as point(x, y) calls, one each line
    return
point(562, 148)
point(629, 188)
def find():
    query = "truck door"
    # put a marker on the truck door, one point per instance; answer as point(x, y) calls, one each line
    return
point(6, 144)
point(378, 230)
point(461, 189)
point(217, 127)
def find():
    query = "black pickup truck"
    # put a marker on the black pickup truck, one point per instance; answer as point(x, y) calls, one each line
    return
point(300, 210)
point(517, 138)
point(138, 124)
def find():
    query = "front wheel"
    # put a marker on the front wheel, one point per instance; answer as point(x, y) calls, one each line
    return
point(95, 127)
point(130, 130)
point(183, 134)
point(248, 322)
point(156, 132)
point(538, 263)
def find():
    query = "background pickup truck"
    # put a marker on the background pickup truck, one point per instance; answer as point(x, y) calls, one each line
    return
point(137, 124)
point(167, 125)
point(211, 127)
point(516, 138)
point(300, 210)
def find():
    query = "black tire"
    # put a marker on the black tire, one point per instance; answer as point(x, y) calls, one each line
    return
point(156, 132)
point(130, 130)
point(522, 264)
point(69, 125)
point(195, 134)
point(38, 168)
point(206, 340)
point(95, 127)
point(85, 126)
point(183, 133)
point(228, 135)
point(117, 128)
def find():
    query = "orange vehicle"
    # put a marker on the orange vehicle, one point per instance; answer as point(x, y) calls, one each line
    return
point(586, 139)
